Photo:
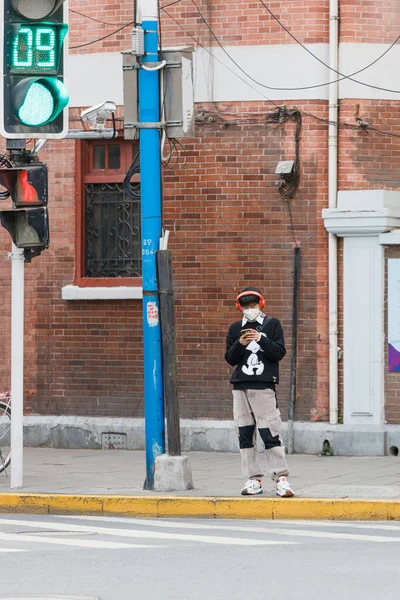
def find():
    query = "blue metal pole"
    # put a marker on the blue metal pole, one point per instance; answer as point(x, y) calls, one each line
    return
point(150, 178)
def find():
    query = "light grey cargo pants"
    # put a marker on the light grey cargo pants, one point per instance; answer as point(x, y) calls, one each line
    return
point(257, 409)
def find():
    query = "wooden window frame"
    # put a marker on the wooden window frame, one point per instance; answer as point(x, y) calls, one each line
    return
point(83, 175)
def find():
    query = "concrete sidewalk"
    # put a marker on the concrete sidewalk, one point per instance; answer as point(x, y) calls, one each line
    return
point(117, 476)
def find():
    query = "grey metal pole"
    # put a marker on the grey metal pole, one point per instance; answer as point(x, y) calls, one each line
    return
point(17, 366)
point(167, 312)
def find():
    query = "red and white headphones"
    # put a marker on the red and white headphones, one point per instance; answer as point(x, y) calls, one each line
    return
point(250, 293)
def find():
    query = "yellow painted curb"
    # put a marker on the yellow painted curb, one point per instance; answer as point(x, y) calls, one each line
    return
point(221, 507)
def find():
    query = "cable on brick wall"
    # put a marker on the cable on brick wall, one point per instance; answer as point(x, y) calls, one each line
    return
point(289, 184)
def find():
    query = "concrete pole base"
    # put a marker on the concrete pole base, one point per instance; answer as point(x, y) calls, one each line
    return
point(172, 473)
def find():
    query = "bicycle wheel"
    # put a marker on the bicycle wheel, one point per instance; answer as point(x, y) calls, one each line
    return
point(5, 436)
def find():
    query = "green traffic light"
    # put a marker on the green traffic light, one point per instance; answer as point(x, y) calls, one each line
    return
point(34, 102)
point(38, 106)
point(39, 100)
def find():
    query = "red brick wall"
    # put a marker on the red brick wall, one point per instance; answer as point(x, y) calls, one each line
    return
point(247, 22)
point(229, 227)
point(80, 357)
point(83, 29)
point(369, 21)
point(369, 160)
point(241, 23)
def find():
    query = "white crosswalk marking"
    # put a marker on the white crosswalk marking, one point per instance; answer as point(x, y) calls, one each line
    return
point(18, 537)
point(341, 524)
point(261, 529)
point(232, 541)
point(94, 532)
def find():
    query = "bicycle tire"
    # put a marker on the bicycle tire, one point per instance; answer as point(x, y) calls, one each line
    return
point(5, 436)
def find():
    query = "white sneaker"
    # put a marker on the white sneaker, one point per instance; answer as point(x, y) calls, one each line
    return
point(283, 488)
point(252, 487)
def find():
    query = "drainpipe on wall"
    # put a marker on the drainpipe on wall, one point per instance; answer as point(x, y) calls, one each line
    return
point(332, 192)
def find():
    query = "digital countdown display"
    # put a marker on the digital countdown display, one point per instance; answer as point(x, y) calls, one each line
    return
point(36, 48)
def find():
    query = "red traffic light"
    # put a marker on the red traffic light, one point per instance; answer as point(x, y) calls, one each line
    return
point(26, 185)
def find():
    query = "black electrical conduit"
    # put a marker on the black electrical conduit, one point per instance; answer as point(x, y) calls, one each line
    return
point(293, 371)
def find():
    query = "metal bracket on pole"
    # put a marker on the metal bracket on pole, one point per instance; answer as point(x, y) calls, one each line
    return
point(79, 134)
point(137, 125)
point(157, 125)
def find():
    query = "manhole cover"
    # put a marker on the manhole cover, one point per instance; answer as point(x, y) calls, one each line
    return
point(55, 533)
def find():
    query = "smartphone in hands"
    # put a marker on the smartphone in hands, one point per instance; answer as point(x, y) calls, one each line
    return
point(247, 330)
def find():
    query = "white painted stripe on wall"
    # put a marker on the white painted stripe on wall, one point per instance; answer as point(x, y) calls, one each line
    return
point(277, 66)
point(94, 78)
point(385, 73)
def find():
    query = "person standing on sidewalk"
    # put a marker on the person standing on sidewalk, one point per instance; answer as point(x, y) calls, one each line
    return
point(255, 345)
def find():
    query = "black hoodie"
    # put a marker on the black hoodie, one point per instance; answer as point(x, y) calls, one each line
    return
point(257, 369)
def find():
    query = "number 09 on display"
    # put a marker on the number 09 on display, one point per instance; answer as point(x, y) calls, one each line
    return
point(36, 49)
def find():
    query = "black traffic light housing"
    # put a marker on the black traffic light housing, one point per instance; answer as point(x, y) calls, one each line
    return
point(28, 221)
point(37, 9)
point(33, 49)
point(29, 229)
point(26, 185)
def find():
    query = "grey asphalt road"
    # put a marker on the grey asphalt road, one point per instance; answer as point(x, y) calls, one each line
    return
point(124, 558)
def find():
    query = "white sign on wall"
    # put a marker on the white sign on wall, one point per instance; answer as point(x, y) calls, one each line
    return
point(394, 314)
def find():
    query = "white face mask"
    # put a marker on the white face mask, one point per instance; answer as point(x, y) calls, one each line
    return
point(251, 314)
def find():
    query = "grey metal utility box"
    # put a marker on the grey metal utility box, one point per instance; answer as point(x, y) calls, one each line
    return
point(179, 91)
point(130, 82)
point(176, 90)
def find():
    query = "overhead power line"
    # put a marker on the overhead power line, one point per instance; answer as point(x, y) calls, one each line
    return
point(289, 89)
point(102, 38)
point(109, 24)
point(305, 113)
point(92, 18)
point(350, 77)
point(216, 58)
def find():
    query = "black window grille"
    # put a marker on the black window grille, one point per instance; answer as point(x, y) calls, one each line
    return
point(112, 228)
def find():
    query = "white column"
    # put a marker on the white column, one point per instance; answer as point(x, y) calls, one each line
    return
point(363, 264)
point(361, 217)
